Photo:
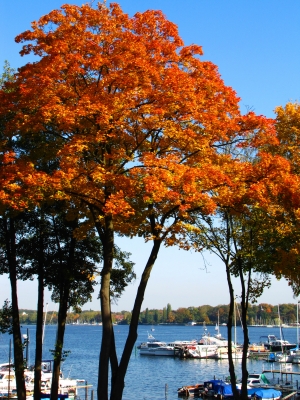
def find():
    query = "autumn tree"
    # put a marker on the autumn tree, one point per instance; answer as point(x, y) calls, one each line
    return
point(241, 232)
point(286, 215)
point(136, 121)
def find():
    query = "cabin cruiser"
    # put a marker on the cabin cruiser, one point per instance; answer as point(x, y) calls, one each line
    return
point(155, 347)
point(275, 344)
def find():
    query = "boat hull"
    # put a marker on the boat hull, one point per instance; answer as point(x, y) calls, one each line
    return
point(159, 351)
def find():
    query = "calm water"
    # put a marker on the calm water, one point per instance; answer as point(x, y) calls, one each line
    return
point(151, 378)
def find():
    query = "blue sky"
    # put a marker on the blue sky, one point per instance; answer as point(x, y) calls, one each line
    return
point(255, 45)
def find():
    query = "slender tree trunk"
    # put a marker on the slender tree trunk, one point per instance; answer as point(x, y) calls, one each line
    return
point(61, 325)
point(229, 330)
point(107, 238)
point(39, 338)
point(39, 322)
point(62, 317)
point(118, 385)
point(17, 338)
point(244, 306)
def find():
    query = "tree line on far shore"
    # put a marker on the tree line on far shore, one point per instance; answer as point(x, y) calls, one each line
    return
point(258, 314)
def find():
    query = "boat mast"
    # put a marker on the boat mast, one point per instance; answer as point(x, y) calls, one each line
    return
point(44, 323)
point(297, 324)
point(280, 329)
point(234, 323)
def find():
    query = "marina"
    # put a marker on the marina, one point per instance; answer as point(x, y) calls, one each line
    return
point(161, 376)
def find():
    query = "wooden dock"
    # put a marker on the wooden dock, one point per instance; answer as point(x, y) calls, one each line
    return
point(284, 371)
point(290, 395)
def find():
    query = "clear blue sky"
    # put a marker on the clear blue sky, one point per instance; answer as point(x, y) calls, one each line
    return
point(256, 46)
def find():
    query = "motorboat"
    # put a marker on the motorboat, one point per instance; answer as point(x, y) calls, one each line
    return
point(191, 390)
point(274, 344)
point(255, 381)
point(155, 347)
point(216, 388)
point(200, 351)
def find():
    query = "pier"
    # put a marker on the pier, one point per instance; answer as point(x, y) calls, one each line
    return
point(285, 370)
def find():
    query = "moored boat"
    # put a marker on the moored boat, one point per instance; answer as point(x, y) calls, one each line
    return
point(222, 353)
point(266, 394)
point(274, 344)
point(155, 347)
point(200, 351)
point(191, 390)
point(285, 357)
point(296, 358)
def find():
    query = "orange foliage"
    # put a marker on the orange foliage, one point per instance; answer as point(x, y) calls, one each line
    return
point(134, 117)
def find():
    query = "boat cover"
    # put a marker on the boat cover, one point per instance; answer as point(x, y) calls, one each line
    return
point(213, 383)
point(225, 389)
point(267, 393)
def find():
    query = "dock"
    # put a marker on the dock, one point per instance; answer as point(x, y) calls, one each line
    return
point(285, 370)
point(290, 395)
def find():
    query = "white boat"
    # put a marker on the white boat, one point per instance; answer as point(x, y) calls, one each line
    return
point(201, 351)
point(155, 347)
point(296, 358)
point(256, 381)
point(66, 385)
point(285, 357)
point(7, 380)
point(222, 353)
point(206, 339)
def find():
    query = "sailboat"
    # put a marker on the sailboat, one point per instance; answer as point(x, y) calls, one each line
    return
point(222, 352)
point(286, 354)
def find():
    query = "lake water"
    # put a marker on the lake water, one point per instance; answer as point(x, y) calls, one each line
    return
point(149, 378)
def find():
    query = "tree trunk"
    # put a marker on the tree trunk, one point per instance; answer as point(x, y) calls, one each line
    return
point(39, 322)
point(17, 338)
point(244, 306)
point(61, 325)
point(244, 391)
point(39, 338)
point(107, 238)
point(229, 330)
point(118, 384)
